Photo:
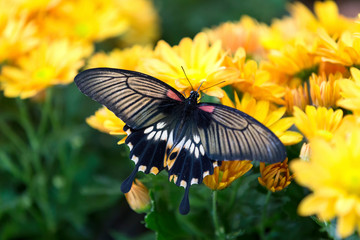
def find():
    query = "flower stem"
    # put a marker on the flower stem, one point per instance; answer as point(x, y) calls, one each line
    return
point(219, 230)
point(263, 216)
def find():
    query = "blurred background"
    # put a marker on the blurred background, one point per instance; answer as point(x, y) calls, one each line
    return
point(82, 198)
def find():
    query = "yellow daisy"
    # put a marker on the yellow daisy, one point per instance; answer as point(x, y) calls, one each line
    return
point(242, 34)
point(276, 176)
point(253, 80)
point(138, 197)
point(332, 174)
point(202, 63)
point(325, 90)
point(128, 58)
point(350, 91)
point(298, 97)
point(49, 64)
point(315, 122)
point(106, 121)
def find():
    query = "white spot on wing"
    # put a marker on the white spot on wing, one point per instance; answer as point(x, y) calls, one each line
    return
point(183, 183)
point(142, 168)
point(202, 150)
point(170, 141)
point(187, 144)
point(192, 148)
point(164, 135)
point(196, 152)
point(149, 129)
point(196, 139)
point(205, 174)
point(160, 125)
point(151, 135)
point(130, 146)
point(135, 159)
point(158, 134)
point(128, 132)
point(194, 181)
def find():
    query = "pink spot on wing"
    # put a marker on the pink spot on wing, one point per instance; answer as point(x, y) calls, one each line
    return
point(209, 109)
point(172, 95)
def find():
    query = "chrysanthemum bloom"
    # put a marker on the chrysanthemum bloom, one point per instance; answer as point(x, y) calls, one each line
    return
point(325, 90)
point(138, 197)
point(51, 63)
point(106, 121)
point(344, 51)
point(298, 96)
point(268, 115)
point(276, 176)
point(350, 91)
point(202, 62)
point(128, 58)
point(86, 20)
point(243, 34)
point(225, 174)
point(317, 121)
point(332, 174)
point(18, 36)
point(253, 80)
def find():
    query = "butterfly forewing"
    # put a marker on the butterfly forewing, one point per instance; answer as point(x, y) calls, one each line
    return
point(228, 134)
point(137, 99)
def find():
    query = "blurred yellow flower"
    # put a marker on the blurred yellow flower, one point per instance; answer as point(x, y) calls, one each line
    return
point(276, 176)
point(49, 64)
point(253, 80)
point(106, 121)
point(344, 51)
point(268, 114)
point(86, 20)
point(225, 174)
point(332, 174)
point(242, 34)
point(350, 91)
point(128, 58)
point(202, 62)
point(317, 121)
point(143, 22)
point(138, 197)
point(18, 36)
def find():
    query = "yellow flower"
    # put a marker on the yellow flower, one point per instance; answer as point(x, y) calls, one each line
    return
point(106, 121)
point(142, 19)
point(202, 62)
point(225, 174)
point(253, 80)
point(18, 36)
point(276, 176)
point(332, 174)
point(138, 197)
point(325, 91)
point(128, 58)
point(350, 91)
point(317, 121)
point(298, 97)
point(49, 64)
point(344, 51)
point(86, 20)
point(243, 34)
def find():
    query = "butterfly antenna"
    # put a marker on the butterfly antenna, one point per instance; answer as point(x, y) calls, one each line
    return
point(212, 85)
point(187, 78)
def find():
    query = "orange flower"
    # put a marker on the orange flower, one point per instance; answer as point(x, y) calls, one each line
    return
point(275, 177)
point(138, 197)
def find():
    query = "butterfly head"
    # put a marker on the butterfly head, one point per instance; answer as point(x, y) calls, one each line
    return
point(193, 98)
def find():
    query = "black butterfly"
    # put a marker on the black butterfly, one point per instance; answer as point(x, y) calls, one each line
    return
point(168, 131)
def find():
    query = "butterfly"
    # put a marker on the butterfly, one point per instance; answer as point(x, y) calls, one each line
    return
point(168, 131)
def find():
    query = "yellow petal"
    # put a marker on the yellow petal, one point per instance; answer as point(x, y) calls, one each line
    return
point(346, 225)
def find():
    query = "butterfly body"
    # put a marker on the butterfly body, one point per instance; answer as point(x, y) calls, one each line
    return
point(168, 131)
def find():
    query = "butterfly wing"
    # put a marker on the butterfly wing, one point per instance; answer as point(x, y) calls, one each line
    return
point(229, 134)
point(136, 98)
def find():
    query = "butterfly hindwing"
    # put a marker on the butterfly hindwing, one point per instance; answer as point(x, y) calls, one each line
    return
point(136, 98)
point(229, 134)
